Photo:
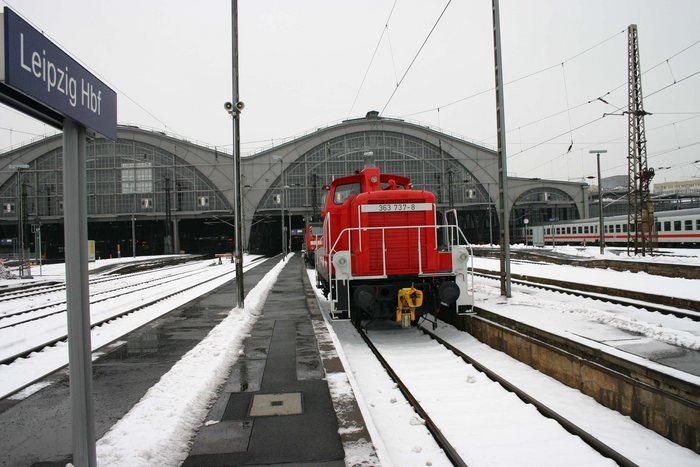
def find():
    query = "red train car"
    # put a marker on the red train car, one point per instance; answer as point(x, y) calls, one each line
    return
point(381, 239)
point(312, 239)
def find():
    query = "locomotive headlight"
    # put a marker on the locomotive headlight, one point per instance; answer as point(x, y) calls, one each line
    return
point(341, 263)
point(460, 259)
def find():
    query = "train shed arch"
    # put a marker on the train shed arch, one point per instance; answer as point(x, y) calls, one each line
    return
point(462, 174)
point(127, 186)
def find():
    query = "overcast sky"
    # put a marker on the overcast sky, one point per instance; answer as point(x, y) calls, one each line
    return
point(302, 63)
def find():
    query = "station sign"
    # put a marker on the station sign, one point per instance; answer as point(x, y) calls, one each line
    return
point(38, 69)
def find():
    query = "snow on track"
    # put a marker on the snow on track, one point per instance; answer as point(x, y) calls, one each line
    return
point(485, 423)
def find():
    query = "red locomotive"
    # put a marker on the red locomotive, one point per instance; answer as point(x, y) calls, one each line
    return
point(383, 253)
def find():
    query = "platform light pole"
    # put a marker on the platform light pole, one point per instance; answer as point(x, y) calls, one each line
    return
point(281, 201)
point(234, 109)
point(601, 238)
point(19, 207)
point(289, 217)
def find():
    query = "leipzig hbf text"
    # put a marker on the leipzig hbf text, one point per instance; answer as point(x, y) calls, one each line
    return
point(58, 80)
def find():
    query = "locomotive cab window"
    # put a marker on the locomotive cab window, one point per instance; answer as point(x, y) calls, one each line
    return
point(386, 185)
point(343, 192)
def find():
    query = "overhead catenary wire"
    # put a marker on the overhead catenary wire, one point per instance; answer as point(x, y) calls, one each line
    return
point(83, 64)
point(675, 82)
point(415, 57)
point(369, 65)
point(568, 109)
point(619, 140)
point(391, 53)
point(604, 115)
point(529, 75)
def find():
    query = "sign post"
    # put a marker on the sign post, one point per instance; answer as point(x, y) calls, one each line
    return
point(77, 293)
point(41, 80)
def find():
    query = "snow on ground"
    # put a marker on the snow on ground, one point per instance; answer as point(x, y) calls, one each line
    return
point(642, 446)
point(686, 256)
point(405, 441)
point(158, 429)
point(27, 370)
point(177, 404)
point(639, 282)
point(56, 272)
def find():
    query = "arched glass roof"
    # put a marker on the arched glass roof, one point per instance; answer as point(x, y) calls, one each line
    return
point(123, 177)
point(428, 167)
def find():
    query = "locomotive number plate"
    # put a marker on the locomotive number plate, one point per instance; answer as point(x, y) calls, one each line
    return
point(397, 207)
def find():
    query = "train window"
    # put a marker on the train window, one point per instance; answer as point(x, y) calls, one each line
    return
point(697, 224)
point(624, 227)
point(558, 231)
point(386, 185)
point(547, 231)
point(343, 192)
point(676, 225)
point(580, 229)
point(658, 226)
point(667, 226)
point(568, 230)
point(585, 229)
point(689, 224)
point(618, 228)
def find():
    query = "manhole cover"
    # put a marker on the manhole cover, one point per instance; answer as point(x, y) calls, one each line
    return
point(276, 404)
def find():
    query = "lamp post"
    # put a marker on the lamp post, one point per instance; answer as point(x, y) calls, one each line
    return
point(281, 195)
point(601, 238)
point(527, 221)
point(20, 210)
point(289, 218)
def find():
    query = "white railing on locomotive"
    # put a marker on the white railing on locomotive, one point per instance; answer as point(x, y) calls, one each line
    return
point(324, 251)
point(454, 233)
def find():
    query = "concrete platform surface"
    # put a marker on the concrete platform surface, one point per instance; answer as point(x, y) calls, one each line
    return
point(276, 407)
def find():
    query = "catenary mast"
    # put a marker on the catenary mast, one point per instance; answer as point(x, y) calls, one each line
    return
point(640, 213)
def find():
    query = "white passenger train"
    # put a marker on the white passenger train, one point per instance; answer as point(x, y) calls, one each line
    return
point(672, 228)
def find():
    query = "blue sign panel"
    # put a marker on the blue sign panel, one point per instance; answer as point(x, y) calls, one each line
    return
point(37, 68)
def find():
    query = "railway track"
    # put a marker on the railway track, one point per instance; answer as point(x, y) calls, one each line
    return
point(471, 390)
point(12, 319)
point(679, 307)
point(33, 290)
point(57, 334)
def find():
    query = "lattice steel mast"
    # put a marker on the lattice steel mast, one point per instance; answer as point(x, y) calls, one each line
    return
point(640, 213)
